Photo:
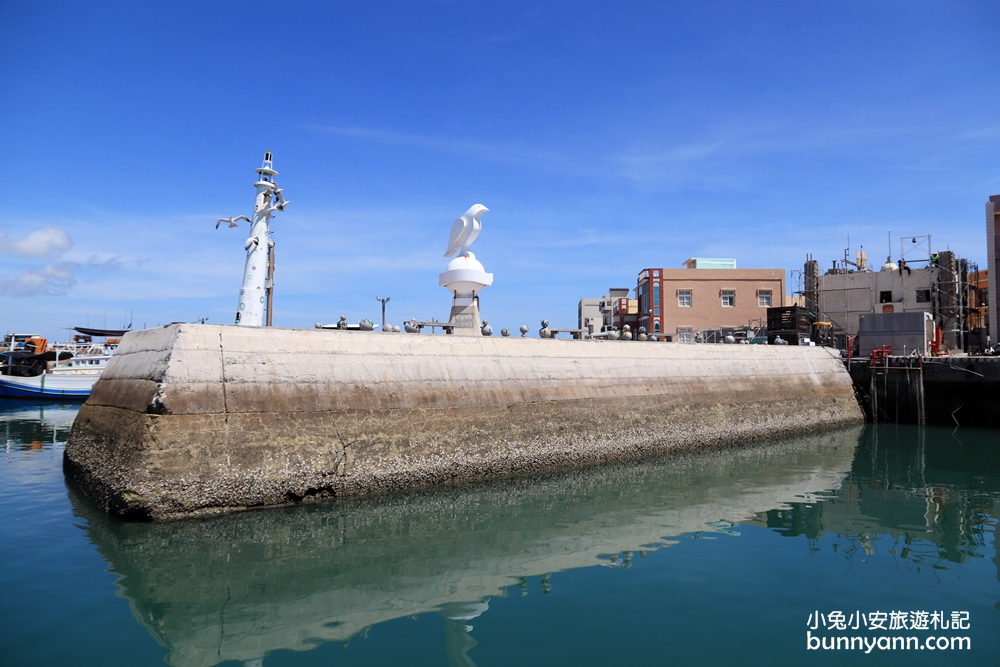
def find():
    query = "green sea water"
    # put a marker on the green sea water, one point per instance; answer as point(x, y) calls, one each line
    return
point(760, 555)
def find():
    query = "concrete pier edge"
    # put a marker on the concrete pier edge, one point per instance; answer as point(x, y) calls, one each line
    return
point(197, 419)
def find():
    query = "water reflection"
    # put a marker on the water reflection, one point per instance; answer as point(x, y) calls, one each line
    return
point(929, 495)
point(240, 586)
point(34, 426)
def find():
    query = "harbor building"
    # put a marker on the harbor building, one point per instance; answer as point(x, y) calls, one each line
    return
point(708, 293)
point(589, 315)
point(612, 311)
point(992, 297)
point(978, 318)
point(937, 283)
point(623, 309)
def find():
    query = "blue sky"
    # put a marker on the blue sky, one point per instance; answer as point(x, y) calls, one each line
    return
point(604, 138)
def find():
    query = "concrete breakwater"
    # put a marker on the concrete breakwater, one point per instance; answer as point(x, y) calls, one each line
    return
point(198, 419)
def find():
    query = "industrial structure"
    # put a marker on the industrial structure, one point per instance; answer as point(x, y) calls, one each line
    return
point(922, 281)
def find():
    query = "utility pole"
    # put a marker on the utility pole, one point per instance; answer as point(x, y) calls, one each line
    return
point(383, 302)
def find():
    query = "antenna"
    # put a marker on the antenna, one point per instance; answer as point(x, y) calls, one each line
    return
point(915, 248)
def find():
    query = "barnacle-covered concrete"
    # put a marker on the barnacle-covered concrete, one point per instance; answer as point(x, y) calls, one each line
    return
point(197, 419)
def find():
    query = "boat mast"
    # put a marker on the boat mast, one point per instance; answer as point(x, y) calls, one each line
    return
point(255, 295)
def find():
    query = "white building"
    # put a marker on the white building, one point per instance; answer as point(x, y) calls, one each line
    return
point(935, 285)
point(589, 316)
point(596, 315)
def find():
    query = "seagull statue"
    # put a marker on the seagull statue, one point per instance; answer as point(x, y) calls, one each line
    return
point(465, 230)
point(232, 221)
point(279, 197)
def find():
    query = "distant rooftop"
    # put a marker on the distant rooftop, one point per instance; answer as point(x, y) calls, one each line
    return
point(710, 263)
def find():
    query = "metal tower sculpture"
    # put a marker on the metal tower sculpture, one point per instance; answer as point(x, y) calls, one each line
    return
point(257, 293)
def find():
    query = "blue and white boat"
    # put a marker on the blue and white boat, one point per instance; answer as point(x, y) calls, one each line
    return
point(75, 385)
point(66, 371)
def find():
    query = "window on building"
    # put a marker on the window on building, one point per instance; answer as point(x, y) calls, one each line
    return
point(764, 298)
point(728, 298)
point(923, 296)
point(656, 327)
point(656, 294)
point(885, 297)
point(684, 335)
point(684, 298)
point(656, 311)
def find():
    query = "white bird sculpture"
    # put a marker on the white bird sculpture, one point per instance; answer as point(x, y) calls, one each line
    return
point(232, 221)
point(280, 205)
point(280, 201)
point(465, 230)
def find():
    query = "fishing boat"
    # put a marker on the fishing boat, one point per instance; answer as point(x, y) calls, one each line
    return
point(30, 368)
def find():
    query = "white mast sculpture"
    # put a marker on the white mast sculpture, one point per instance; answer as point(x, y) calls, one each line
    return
point(256, 295)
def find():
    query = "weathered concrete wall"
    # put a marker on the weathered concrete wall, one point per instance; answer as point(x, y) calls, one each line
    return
point(194, 419)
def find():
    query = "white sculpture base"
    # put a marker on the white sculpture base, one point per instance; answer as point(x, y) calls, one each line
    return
point(465, 275)
point(465, 316)
point(465, 278)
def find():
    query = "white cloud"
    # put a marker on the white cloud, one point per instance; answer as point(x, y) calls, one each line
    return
point(53, 280)
point(112, 264)
point(47, 242)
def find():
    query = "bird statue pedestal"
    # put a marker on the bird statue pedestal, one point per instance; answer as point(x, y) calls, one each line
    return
point(465, 277)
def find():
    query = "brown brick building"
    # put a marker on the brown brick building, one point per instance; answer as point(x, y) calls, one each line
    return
point(708, 294)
